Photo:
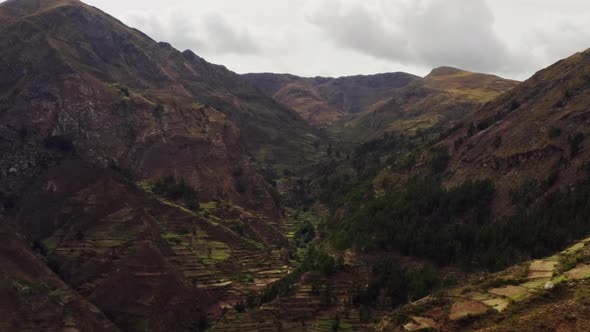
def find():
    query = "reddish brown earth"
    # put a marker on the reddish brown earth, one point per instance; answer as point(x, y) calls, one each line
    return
point(120, 98)
point(33, 298)
point(322, 101)
point(528, 134)
point(92, 112)
point(442, 99)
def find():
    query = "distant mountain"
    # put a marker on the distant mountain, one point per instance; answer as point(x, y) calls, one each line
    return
point(441, 99)
point(322, 101)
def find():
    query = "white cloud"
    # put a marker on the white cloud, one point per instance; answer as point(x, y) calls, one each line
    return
point(343, 37)
point(208, 32)
point(424, 32)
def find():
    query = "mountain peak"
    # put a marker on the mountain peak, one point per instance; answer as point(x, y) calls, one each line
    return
point(29, 7)
point(445, 70)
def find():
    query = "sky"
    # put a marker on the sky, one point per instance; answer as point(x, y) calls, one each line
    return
point(510, 38)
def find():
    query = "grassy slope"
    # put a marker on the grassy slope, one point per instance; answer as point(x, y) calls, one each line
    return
point(322, 101)
point(442, 98)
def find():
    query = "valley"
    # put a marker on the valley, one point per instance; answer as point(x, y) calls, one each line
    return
point(143, 188)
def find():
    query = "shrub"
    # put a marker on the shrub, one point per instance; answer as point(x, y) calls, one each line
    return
point(554, 132)
point(498, 142)
point(440, 160)
point(60, 143)
point(575, 143)
point(177, 190)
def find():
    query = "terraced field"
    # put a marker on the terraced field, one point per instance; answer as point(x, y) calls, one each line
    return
point(496, 293)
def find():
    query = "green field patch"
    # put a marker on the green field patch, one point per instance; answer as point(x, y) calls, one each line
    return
point(108, 243)
point(479, 296)
point(541, 265)
point(558, 280)
point(27, 287)
point(211, 250)
point(146, 186)
point(209, 206)
point(497, 304)
point(515, 293)
point(466, 309)
point(331, 325)
point(50, 243)
point(421, 323)
point(536, 284)
point(178, 206)
point(579, 272)
point(173, 238)
point(575, 248)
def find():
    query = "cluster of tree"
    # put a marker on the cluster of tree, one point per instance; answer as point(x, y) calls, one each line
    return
point(339, 183)
point(315, 259)
point(392, 285)
point(304, 235)
point(177, 189)
point(451, 227)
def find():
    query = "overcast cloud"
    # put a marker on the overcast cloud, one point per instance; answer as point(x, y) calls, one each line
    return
point(512, 38)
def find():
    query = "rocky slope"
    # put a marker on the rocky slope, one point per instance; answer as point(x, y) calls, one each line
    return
point(75, 77)
point(322, 101)
point(92, 115)
point(531, 140)
point(30, 289)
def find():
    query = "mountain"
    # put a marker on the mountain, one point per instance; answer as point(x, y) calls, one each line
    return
point(145, 189)
point(531, 140)
point(441, 99)
point(141, 177)
point(549, 293)
point(322, 100)
point(74, 74)
point(30, 289)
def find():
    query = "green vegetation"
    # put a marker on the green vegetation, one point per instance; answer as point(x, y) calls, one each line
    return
point(173, 238)
point(420, 221)
point(450, 227)
point(315, 259)
point(398, 285)
point(27, 287)
point(177, 190)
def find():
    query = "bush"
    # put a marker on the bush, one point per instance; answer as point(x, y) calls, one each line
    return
point(554, 132)
point(177, 190)
point(60, 143)
point(575, 144)
point(440, 160)
point(498, 142)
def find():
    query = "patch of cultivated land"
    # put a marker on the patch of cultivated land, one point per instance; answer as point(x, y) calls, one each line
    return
point(516, 289)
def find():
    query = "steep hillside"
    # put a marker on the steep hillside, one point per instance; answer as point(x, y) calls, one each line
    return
point(76, 78)
point(545, 294)
point(142, 176)
point(531, 140)
point(322, 101)
point(30, 289)
point(441, 99)
point(137, 255)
